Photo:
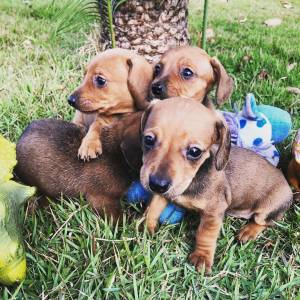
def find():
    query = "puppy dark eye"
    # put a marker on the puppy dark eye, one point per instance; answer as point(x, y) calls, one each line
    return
point(149, 141)
point(193, 153)
point(157, 70)
point(100, 81)
point(187, 73)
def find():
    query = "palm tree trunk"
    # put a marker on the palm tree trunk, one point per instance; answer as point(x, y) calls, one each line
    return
point(151, 26)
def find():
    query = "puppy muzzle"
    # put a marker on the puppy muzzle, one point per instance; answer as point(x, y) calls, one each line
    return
point(158, 90)
point(72, 99)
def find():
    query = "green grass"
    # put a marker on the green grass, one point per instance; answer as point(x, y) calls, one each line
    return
point(72, 253)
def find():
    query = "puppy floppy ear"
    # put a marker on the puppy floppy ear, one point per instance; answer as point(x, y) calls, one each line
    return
point(223, 138)
point(139, 78)
point(147, 113)
point(131, 141)
point(131, 147)
point(224, 81)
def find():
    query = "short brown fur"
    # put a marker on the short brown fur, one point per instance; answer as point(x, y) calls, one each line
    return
point(208, 71)
point(127, 78)
point(221, 181)
point(49, 162)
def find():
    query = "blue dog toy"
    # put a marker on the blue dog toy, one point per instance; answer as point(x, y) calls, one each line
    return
point(256, 127)
point(172, 214)
point(259, 128)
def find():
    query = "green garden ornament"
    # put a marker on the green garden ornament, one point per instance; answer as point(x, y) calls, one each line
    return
point(12, 196)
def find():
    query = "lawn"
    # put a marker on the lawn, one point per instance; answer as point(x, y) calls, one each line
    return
point(72, 253)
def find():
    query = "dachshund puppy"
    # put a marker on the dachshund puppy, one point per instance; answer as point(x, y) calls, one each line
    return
point(190, 72)
point(116, 82)
point(294, 165)
point(47, 159)
point(187, 160)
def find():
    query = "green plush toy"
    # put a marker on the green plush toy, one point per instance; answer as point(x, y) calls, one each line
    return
point(12, 196)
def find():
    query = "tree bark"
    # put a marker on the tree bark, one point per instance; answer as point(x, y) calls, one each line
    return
point(150, 27)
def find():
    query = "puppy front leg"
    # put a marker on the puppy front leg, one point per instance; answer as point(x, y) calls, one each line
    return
point(91, 145)
point(157, 205)
point(206, 241)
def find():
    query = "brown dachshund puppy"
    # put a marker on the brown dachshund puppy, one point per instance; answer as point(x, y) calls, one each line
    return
point(294, 165)
point(116, 82)
point(47, 159)
point(187, 160)
point(190, 72)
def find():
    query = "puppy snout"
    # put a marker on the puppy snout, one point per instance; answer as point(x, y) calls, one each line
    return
point(158, 89)
point(159, 184)
point(72, 99)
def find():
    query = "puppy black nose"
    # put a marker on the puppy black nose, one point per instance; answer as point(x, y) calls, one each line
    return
point(157, 89)
point(158, 184)
point(72, 100)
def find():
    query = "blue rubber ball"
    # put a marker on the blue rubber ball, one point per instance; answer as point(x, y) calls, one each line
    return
point(136, 193)
point(172, 214)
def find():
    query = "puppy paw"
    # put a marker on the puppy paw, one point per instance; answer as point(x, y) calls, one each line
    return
point(151, 226)
point(201, 261)
point(89, 149)
point(250, 232)
point(151, 221)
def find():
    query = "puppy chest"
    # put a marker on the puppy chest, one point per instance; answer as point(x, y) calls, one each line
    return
point(88, 119)
point(191, 203)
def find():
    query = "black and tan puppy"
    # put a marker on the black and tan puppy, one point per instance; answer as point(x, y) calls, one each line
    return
point(187, 160)
point(47, 159)
point(190, 72)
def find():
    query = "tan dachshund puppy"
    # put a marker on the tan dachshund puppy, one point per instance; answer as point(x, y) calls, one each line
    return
point(187, 160)
point(49, 161)
point(116, 82)
point(190, 72)
point(294, 166)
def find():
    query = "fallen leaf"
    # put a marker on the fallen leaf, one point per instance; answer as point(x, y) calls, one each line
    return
point(247, 58)
point(210, 34)
point(242, 19)
point(287, 5)
point(27, 44)
point(61, 87)
point(273, 22)
point(28, 3)
point(293, 90)
point(292, 66)
point(263, 74)
point(269, 244)
point(244, 60)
